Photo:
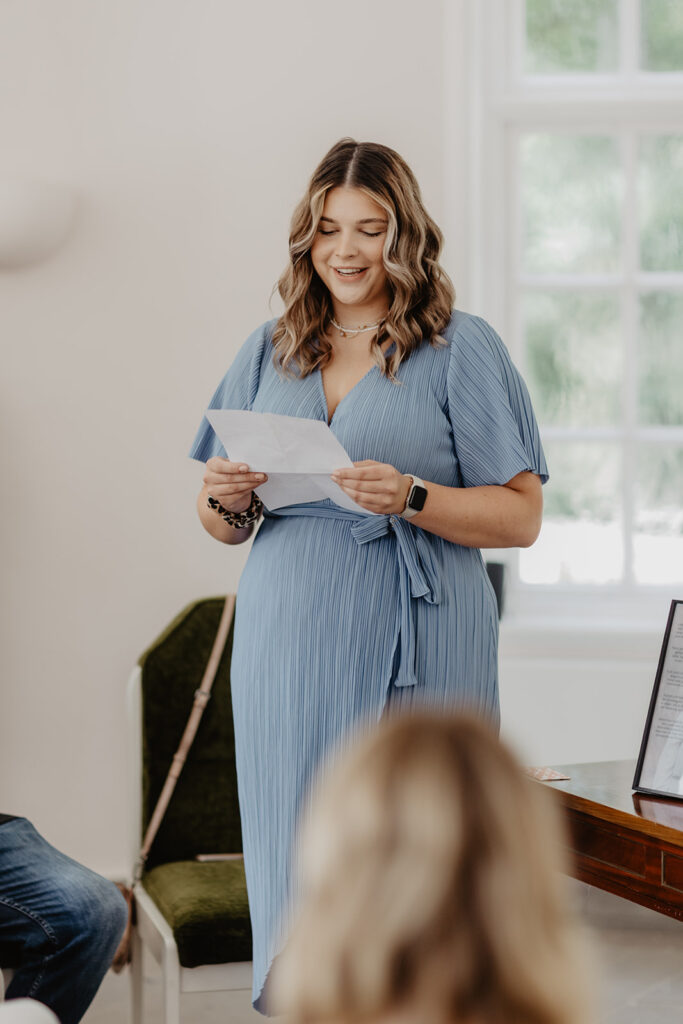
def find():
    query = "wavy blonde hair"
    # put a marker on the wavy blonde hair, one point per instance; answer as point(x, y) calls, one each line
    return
point(432, 888)
point(422, 294)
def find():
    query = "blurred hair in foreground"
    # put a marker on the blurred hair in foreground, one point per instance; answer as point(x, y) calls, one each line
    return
point(432, 889)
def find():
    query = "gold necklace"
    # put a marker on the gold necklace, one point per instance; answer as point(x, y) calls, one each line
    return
point(356, 330)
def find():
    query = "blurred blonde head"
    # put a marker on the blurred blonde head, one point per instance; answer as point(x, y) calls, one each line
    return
point(431, 888)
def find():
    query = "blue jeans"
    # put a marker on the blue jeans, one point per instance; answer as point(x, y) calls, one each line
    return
point(60, 923)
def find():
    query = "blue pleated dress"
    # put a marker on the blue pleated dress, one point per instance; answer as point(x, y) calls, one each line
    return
point(338, 614)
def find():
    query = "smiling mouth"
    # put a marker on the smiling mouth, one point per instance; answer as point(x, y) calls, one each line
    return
point(349, 271)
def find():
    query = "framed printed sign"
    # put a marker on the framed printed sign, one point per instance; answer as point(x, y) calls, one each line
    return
point(660, 763)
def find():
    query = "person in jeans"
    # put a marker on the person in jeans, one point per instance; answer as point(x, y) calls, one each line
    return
point(60, 922)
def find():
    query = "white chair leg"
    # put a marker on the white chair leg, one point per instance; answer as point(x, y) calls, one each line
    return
point(6, 975)
point(171, 987)
point(137, 978)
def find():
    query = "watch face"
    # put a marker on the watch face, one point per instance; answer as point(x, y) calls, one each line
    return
point(417, 498)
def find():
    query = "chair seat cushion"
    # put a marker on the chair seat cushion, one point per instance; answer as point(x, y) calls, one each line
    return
point(206, 906)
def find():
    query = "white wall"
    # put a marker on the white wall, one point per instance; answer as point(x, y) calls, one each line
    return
point(562, 703)
point(188, 131)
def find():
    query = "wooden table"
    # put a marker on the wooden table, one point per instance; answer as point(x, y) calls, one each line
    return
point(623, 842)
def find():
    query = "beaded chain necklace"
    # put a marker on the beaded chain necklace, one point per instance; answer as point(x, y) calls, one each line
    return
point(344, 331)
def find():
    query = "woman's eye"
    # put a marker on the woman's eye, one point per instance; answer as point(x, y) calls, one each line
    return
point(333, 231)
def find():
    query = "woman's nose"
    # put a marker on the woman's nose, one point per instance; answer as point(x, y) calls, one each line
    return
point(346, 246)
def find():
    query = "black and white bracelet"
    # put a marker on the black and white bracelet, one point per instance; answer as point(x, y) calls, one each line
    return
point(238, 519)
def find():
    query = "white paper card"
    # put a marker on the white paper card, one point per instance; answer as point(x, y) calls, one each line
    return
point(297, 454)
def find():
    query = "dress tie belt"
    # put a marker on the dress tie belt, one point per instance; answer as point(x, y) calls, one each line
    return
point(418, 571)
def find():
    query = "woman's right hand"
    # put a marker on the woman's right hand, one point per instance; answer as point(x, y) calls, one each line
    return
point(231, 483)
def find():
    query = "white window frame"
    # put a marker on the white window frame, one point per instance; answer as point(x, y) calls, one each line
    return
point(501, 103)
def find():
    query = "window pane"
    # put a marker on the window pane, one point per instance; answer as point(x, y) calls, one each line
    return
point(661, 38)
point(571, 35)
point(573, 365)
point(660, 359)
point(660, 198)
point(581, 540)
point(658, 533)
point(571, 194)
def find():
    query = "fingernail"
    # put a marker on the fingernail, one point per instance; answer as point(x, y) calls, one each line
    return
point(244, 469)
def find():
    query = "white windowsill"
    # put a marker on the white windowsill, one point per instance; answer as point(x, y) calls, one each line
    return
point(549, 623)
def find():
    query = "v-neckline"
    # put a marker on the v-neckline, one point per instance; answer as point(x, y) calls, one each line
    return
point(329, 419)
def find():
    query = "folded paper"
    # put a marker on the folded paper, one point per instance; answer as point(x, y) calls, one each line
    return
point(298, 455)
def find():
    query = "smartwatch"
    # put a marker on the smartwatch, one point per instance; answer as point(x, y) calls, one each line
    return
point(417, 495)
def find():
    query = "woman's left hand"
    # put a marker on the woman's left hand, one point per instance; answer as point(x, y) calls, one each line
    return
point(375, 486)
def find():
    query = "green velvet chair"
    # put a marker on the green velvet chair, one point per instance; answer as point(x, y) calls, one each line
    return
point(192, 915)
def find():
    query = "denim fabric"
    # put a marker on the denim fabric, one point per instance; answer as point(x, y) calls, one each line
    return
point(60, 923)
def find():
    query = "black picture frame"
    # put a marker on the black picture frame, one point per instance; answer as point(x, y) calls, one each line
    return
point(659, 769)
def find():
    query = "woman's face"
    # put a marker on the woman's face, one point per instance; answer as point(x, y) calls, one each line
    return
point(347, 253)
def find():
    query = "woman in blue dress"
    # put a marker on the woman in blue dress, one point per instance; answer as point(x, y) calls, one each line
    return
point(342, 615)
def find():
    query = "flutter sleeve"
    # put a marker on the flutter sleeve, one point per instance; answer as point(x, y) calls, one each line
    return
point(237, 390)
point(494, 427)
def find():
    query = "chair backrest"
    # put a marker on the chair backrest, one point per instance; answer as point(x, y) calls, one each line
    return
point(203, 815)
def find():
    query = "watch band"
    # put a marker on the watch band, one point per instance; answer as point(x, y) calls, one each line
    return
point(417, 495)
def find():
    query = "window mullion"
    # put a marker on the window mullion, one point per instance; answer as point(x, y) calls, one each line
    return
point(629, 39)
point(514, 275)
point(516, 32)
point(594, 104)
point(599, 282)
point(487, 81)
point(629, 327)
point(670, 281)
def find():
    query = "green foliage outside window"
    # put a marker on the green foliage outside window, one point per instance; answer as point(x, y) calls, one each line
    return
point(660, 201)
point(585, 478)
point(571, 200)
point(659, 489)
point(662, 35)
point(571, 36)
point(574, 357)
point(660, 359)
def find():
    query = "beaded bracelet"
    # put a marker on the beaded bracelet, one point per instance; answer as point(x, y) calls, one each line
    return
point(238, 519)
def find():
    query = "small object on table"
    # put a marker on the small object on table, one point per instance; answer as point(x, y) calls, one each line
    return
point(545, 774)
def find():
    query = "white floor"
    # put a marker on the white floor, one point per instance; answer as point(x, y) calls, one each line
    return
point(640, 957)
point(111, 1004)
